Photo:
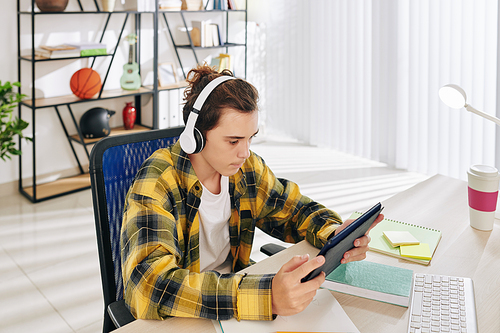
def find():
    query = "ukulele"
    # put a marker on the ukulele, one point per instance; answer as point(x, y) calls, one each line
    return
point(131, 79)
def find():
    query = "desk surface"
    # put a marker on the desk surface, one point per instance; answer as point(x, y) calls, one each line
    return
point(439, 202)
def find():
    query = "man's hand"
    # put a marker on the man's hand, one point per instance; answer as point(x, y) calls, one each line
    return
point(360, 244)
point(289, 295)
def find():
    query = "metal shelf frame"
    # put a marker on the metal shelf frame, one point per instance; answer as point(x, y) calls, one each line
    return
point(193, 48)
point(41, 192)
point(31, 192)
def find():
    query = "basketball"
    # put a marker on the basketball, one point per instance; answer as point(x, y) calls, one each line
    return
point(85, 83)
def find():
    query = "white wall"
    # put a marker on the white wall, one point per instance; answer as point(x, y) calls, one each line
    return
point(54, 155)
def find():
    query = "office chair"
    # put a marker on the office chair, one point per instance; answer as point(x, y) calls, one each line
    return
point(114, 162)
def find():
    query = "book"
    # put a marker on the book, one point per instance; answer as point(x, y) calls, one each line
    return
point(379, 244)
point(205, 34)
point(89, 48)
point(170, 5)
point(93, 52)
point(420, 251)
point(87, 45)
point(323, 314)
point(192, 5)
point(398, 238)
point(53, 48)
point(198, 33)
point(371, 280)
point(56, 54)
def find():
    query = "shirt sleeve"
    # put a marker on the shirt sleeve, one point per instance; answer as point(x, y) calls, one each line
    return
point(157, 286)
point(287, 214)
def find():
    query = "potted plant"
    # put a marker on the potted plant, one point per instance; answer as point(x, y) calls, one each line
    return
point(10, 126)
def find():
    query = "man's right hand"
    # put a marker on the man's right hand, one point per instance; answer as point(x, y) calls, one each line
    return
point(289, 295)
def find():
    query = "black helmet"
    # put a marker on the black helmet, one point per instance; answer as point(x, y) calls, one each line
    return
point(95, 123)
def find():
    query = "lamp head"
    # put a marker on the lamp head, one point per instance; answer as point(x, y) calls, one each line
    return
point(453, 96)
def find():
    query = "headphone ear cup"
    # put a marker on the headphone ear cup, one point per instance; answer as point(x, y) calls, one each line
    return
point(200, 141)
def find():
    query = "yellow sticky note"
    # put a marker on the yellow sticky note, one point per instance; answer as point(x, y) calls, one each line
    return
point(420, 251)
point(398, 238)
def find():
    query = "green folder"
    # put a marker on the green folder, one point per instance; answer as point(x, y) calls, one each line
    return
point(371, 280)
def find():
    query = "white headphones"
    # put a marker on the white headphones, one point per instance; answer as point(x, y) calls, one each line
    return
point(191, 139)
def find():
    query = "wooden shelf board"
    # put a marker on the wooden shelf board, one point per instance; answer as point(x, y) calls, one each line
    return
point(60, 186)
point(178, 85)
point(114, 131)
point(200, 11)
point(38, 58)
point(187, 46)
point(69, 99)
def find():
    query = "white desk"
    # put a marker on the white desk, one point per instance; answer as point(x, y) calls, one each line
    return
point(439, 202)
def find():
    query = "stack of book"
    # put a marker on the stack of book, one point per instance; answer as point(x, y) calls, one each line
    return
point(223, 61)
point(205, 34)
point(89, 48)
point(172, 5)
point(57, 52)
point(71, 50)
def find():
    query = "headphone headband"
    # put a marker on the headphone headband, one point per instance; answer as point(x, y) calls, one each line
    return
point(191, 139)
point(202, 97)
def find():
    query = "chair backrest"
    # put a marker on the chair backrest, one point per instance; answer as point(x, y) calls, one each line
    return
point(114, 162)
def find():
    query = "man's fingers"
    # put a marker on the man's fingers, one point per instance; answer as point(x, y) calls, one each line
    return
point(308, 267)
point(379, 218)
point(294, 263)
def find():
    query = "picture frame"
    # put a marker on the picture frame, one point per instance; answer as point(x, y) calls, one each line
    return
point(167, 75)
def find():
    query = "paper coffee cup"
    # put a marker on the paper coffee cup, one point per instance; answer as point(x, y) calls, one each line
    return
point(483, 195)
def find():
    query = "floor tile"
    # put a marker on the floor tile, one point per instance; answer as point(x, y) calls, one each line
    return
point(95, 327)
point(8, 268)
point(73, 288)
point(24, 309)
point(42, 239)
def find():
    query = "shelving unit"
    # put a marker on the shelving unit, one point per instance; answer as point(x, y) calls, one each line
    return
point(227, 45)
point(36, 192)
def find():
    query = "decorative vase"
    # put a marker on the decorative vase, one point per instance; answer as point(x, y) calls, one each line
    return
point(51, 5)
point(129, 115)
point(108, 5)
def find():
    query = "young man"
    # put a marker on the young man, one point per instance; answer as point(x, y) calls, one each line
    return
point(189, 220)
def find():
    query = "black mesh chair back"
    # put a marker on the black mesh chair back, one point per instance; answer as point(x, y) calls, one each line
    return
point(114, 162)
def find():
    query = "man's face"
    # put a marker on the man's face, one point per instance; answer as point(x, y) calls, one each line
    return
point(228, 144)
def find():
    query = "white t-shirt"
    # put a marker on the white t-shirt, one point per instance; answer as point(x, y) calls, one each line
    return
point(215, 211)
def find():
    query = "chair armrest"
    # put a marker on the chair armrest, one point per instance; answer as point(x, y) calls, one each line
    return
point(270, 249)
point(119, 313)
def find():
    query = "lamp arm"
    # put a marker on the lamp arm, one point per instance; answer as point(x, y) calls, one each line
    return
point(482, 114)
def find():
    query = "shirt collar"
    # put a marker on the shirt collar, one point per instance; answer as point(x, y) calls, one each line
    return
point(188, 176)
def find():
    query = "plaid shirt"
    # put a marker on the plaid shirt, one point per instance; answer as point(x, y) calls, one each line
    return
point(159, 238)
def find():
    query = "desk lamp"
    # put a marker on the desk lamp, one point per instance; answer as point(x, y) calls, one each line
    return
point(455, 97)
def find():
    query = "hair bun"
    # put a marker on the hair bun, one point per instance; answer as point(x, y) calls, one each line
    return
point(200, 76)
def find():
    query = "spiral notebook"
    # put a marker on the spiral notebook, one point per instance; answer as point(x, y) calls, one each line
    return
point(380, 244)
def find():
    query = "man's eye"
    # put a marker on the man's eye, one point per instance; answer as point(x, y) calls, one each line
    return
point(233, 142)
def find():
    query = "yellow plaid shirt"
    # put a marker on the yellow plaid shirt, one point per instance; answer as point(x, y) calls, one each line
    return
point(159, 238)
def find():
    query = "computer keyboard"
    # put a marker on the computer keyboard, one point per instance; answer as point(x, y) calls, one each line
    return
point(441, 303)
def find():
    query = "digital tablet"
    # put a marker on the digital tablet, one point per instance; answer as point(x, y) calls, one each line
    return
point(334, 249)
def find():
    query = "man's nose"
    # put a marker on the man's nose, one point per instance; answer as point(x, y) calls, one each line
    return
point(244, 151)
